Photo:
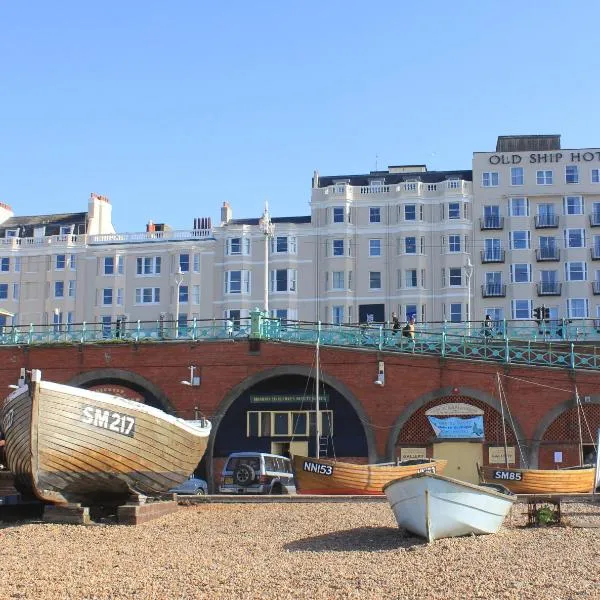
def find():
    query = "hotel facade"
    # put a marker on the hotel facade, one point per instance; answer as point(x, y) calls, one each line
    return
point(519, 230)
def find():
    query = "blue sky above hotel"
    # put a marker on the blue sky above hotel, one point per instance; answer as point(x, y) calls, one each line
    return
point(170, 109)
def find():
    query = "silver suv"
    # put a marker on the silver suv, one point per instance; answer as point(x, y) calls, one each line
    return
point(257, 473)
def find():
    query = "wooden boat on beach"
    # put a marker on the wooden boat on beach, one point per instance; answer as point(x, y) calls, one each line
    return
point(573, 480)
point(325, 476)
point(435, 507)
point(66, 444)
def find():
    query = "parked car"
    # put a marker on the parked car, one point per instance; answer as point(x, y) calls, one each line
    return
point(257, 473)
point(191, 487)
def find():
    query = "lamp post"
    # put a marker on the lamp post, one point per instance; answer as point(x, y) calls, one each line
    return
point(468, 275)
point(178, 281)
point(268, 229)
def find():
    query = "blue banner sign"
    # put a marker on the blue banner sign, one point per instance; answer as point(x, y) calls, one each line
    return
point(457, 427)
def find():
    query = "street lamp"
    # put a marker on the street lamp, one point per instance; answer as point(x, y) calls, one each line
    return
point(468, 275)
point(268, 229)
point(178, 281)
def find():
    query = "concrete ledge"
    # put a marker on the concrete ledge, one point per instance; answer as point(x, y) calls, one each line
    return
point(74, 514)
point(135, 514)
point(266, 499)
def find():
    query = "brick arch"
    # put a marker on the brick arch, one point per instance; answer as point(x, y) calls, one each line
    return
point(413, 416)
point(154, 395)
point(560, 424)
point(235, 392)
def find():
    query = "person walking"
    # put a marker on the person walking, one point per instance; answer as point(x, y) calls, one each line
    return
point(395, 323)
point(488, 326)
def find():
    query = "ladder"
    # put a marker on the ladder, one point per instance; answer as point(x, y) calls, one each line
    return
point(323, 445)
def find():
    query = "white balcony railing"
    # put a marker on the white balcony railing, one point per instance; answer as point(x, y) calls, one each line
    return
point(148, 236)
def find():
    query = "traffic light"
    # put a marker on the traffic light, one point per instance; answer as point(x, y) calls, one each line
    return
point(538, 315)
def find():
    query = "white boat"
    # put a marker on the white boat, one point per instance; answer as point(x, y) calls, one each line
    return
point(434, 506)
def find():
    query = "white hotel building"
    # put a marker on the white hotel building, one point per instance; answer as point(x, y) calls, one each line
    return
point(516, 232)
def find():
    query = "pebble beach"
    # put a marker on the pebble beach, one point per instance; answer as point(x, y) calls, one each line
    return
point(294, 551)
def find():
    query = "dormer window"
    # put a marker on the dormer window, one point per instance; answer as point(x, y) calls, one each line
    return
point(376, 185)
point(340, 187)
point(66, 229)
point(39, 232)
point(11, 233)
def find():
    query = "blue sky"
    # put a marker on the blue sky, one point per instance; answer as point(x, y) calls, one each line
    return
point(171, 108)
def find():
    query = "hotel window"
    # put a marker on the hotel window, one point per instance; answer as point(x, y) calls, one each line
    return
point(571, 174)
point(410, 278)
point(595, 175)
point(282, 244)
point(148, 265)
point(107, 296)
point(410, 310)
point(73, 262)
point(119, 296)
point(410, 245)
point(196, 263)
point(577, 308)
point(576, 271)
point(195, 294)
point(573, 205)
point(454, 243)
point(338, 247)
point(239, 245)
point(455, 312)
point(544, 177)
point(517, 177)
point(455, 277)
point(338, 214)
point(337, 314)
point(410, 212)
point(489, 179)
point(120, 264)
point(17, 264)
point(574, 238)
point(283, 280)
point(109, 265)
point(3, 291)
point(184, 263)
point(520, 240)
point(374, 247)
point(59, 289)
point(337, 280)
point(5, 264)
point(520, 273)
point(237, 282)
point(72, 288)
point(521, 309)
point(374, 214)
point(454, 210)
point(375, 280)
point(184, 293)
point(519, 207)
point(61, 261)
point(147, 295)
point(16, 291)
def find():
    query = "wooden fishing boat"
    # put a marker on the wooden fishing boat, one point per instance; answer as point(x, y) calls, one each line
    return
point(66, 445)
point(573, 480)
point(435, 507)
point(325, 476)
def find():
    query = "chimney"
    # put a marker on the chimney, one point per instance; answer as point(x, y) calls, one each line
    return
point(226, 213)
point(99, 215)
point(315, 180)
point(6, 212)
point(150, 227)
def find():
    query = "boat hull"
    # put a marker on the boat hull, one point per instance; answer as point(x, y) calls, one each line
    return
point(435, 507)
point(68, 445)
point(540, 481)
point(323, 476)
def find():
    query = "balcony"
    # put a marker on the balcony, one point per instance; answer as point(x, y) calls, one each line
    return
point(549, 288)
point(550, 253)
point(493, 256)
point(596, 288)
point(493, 222)
point(546, 221)
point(493, 290)
point(595, 253)
point(595, 220)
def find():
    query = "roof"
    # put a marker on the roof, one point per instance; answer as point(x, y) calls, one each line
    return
point(274, 220)
point(52, 223)
point(393, 178)
point(526, 143)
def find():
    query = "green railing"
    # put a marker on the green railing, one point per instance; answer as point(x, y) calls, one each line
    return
point(519, 342)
